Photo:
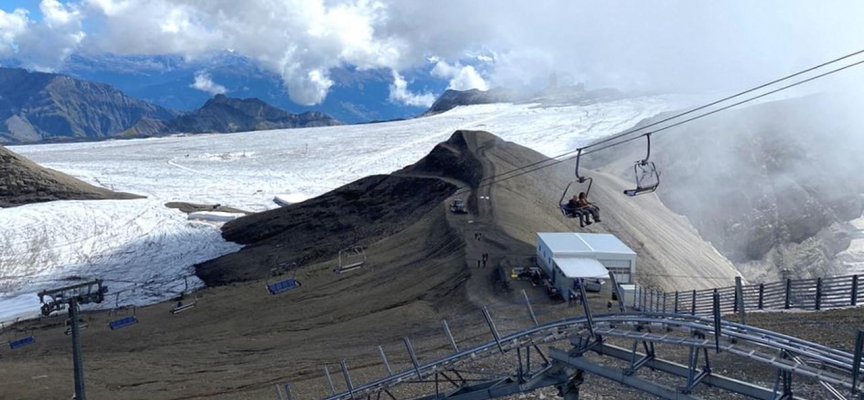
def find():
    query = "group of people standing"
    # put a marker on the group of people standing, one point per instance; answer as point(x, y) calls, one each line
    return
point(483, 259)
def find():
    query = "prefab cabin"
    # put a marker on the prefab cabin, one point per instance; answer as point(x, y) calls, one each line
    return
point(567, 256)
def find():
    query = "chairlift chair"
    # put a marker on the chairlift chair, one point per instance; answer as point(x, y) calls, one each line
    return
point(350, 259)
point(68, 326)
point(647, 176)
point(566, 210)
point(15, 342)
point(19, 343)
point(125, 321)
point(180, 307)
point(284, 285)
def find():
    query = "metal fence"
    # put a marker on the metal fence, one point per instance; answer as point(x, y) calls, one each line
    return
point(801, 294)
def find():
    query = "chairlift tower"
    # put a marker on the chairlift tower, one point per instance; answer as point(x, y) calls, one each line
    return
point(73, 296)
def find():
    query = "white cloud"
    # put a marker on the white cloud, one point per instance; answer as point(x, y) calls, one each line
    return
point(11, 26)
point(299, 39)
point(204, 83)
point(45, 44)
point(719, 45)
point(461, 77)
point(399, 93)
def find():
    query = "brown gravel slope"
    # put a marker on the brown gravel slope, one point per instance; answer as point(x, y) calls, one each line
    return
point(23, 182)
point(421, 268)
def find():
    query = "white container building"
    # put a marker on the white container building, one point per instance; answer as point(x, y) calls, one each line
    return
point(566, 256)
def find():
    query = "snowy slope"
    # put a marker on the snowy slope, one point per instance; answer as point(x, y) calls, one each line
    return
point(246, 170)
point(130, 242)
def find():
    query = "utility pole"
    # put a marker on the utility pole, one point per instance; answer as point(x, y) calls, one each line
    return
point(73, 296)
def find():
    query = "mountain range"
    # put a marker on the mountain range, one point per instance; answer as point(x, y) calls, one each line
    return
point(39, 107)
point(167, 81)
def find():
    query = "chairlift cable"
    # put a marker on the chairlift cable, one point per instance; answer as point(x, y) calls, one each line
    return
point(558, 160)
point(725, 99)
point(676, 116)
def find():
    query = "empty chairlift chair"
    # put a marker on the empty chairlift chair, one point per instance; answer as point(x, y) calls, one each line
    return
point(68, 324)
point(646, 173)
point(350, 259)
point(16, 342)
point(123, 322)
point(283, 286)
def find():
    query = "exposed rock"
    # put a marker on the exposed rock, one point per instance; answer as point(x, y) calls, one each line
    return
point(37, 106)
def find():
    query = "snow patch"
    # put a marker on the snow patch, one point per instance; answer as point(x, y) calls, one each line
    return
point(288, 199)
point(214, 216)
point(130, 244)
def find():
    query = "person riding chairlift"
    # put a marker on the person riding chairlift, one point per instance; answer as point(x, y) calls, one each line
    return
point(573, 208)
point(589, 207)
point(582, 209)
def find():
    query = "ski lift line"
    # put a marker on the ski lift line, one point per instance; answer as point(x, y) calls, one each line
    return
point(679, 115)
point(558, 160)
point(725, 99)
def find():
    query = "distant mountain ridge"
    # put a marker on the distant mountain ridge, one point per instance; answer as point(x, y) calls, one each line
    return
point(37, 107)
point(356, 96)
point(223, 114)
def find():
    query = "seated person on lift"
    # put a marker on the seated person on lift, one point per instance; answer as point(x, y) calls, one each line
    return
point(589, 207)
point(574, 208)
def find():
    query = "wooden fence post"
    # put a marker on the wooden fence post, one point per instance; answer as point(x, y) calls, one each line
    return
point(788, 293)
point(855, 290)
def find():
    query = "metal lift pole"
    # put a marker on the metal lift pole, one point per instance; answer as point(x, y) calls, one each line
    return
point(77, 357)
point(74, 295)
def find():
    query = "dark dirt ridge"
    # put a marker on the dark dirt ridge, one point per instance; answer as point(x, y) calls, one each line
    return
point(422, 267)
point(23, 182)
point(357, 214)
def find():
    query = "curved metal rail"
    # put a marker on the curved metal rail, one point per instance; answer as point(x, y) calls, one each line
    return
point(755, 344)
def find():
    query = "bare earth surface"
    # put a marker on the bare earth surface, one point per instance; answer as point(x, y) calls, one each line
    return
point(422, 267)
point(23, 182)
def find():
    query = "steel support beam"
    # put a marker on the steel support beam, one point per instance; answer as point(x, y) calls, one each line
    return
point(680, 370)
point(618, 375)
